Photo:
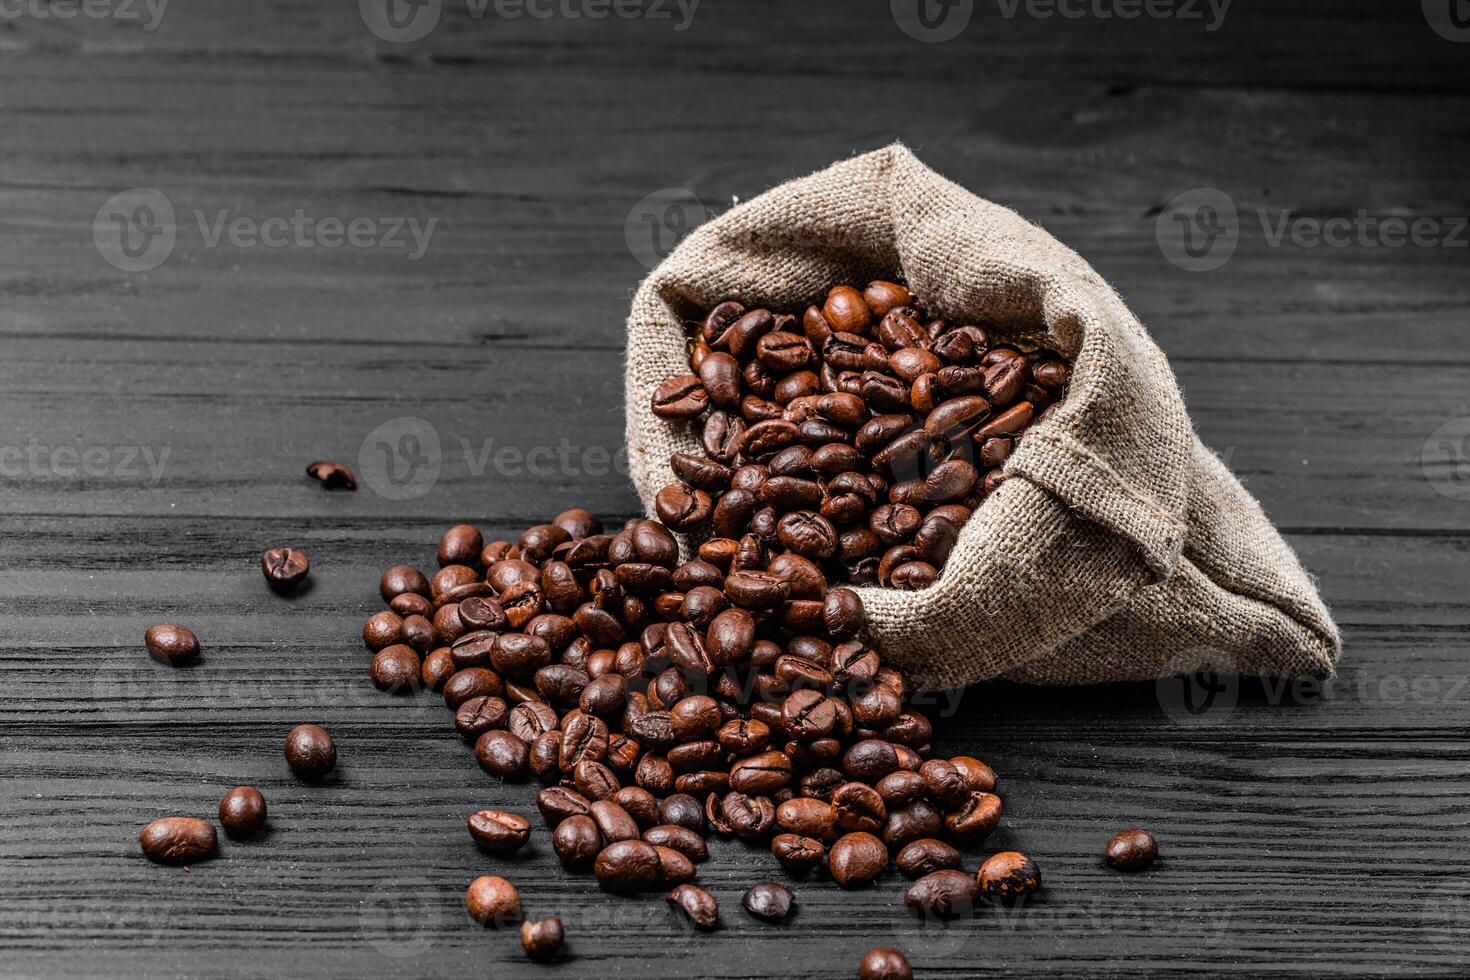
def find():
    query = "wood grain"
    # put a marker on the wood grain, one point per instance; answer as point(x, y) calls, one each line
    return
point(1306, 830)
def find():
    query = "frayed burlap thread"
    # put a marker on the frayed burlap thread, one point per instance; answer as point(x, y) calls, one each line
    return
point(1118, 548)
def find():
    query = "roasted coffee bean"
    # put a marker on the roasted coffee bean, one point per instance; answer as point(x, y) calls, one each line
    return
point(761, 774)
point(499, 832)
point(613, 821)
point(681, 839)
point(501, 754)
point(856, 859)
point(411, 604)
point(682, 810)
point(797, 854)
point(400, 579)
point(543, 755)
point(542, 939)
point(332, 476)
point(595, 780)
point(178, 840)
point(382, 629)
point(479, 715)
point(310, 752)
point(556, 803)
point(628, 866)
point(680, 398)
point(859, 808)
point(925, 856)
point(1131, 850)
point(944, 781)
point(747, 816)
point(870, 760)
point(173, 644)
point(529, 719)
point(769, 901)
point(437, 668)
point(808, 817)
point(884, 963)
point(242, 812)
point(696, 904)
point(1008, 876)
point(674, 867)
point(284, 568)
point(899, 789)
point(471, 683)
point(973, 820)
point(395, 669)
point(577, 841)
point(944, 894)
point(493, 902)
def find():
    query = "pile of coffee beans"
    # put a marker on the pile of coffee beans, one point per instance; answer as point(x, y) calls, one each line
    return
point(858, 437)
point(661, 700)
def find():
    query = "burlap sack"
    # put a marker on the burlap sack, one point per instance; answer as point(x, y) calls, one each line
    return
point(1118, 548)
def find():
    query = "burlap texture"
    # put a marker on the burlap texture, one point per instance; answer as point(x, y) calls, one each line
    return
point(1118, 548)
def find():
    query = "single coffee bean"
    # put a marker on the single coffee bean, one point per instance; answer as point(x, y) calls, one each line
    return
point(681, 839)
point(382, 629)
point(542, 939)
point(493, 902)
point(403, 578)
point(396, 669)
point(577, 841)
point(884, 963)
point(332, 476)
point(797, 854)
point(769, 901)
point(683, 397)
point(613, 822)
point(1008, 876)
point(696, 904)
point(178, 840)
point(502, 754)
point(499, 832)
point(945, 894)
point(437, 668)
point(472, 682)
point(683, 810)
point(979, 776)
point(856, 859)
point(1131, 850)
point(172, 644)
point(284, 568)
point(944, 782)
point(925, 856)
point(628, 866)
point(242, 812)
point(975, 818)
point(859, 807)
point(310, 752)
point(674, 867)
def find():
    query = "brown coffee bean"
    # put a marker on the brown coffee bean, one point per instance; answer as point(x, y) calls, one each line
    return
point(310, 752)
point(681, 839)
point(628, 866)
point(797, 854)
point(173, 644)
point(284, 568)
point(178, 840)
point(945, 894)
point(542, 939)
point(761, 774)
point(1008, 876)
point(859, 808)
point(975, 817)
point(499, 832)
point(395, 669)
point(768, 901)
point(682, 397)
point(502, 754)
point(242, 812)
point(856, 859)
point(925, 856)
point(1131, 850)
point(332, 476)
point(696, 904)
point(884, 964)
point(577, 841)
point(674, 867)
point(493, 902)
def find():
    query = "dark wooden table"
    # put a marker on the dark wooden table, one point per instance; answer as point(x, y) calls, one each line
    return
point(154, 424)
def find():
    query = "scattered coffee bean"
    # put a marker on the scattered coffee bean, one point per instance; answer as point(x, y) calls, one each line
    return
point(493, 902)
point(698, 905)
point(310, 752)
point(1008, 876)
point(884, 964)
point(332, 476)
point(797, 854)
point(542, 939)
point(242, 812)
point(769, 901)
point(857, 859)
point(396, 669)
point(925, 856)
point(944, 894)
point(499, 832)
point(171, 644)
point(628, 866)
point(1132, 850)
point(284, 568)
point(577, 841)
point(178, 840)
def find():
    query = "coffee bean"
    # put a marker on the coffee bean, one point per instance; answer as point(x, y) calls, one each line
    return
point(858, 807)
point(696, 904)
point(1131, 850)
point(944, 781)
point(396, 669)
point(382, 629)
point(437, 668)
point(178, 840)
point(284, 568)
point(681, 839)
point(945, 894)
point(682, 810)
point(172, 644)
point(242, 812)
point(680, 398)
point(400, 579)
point(577, 841)
point(925, 856)
point(502, 754)
point(628, 866)
point(674, 867)
point(856, 859)
point(542, 938)
point(493, 902)
point(797, 854)
point(310, 752)
point(884, 964)
point(974, 818)
point(470, 683)
point(332, 476)
point(769, 901)
point(761, 774)
point(1008, 876)
point(499, 832)
point(613, 822)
